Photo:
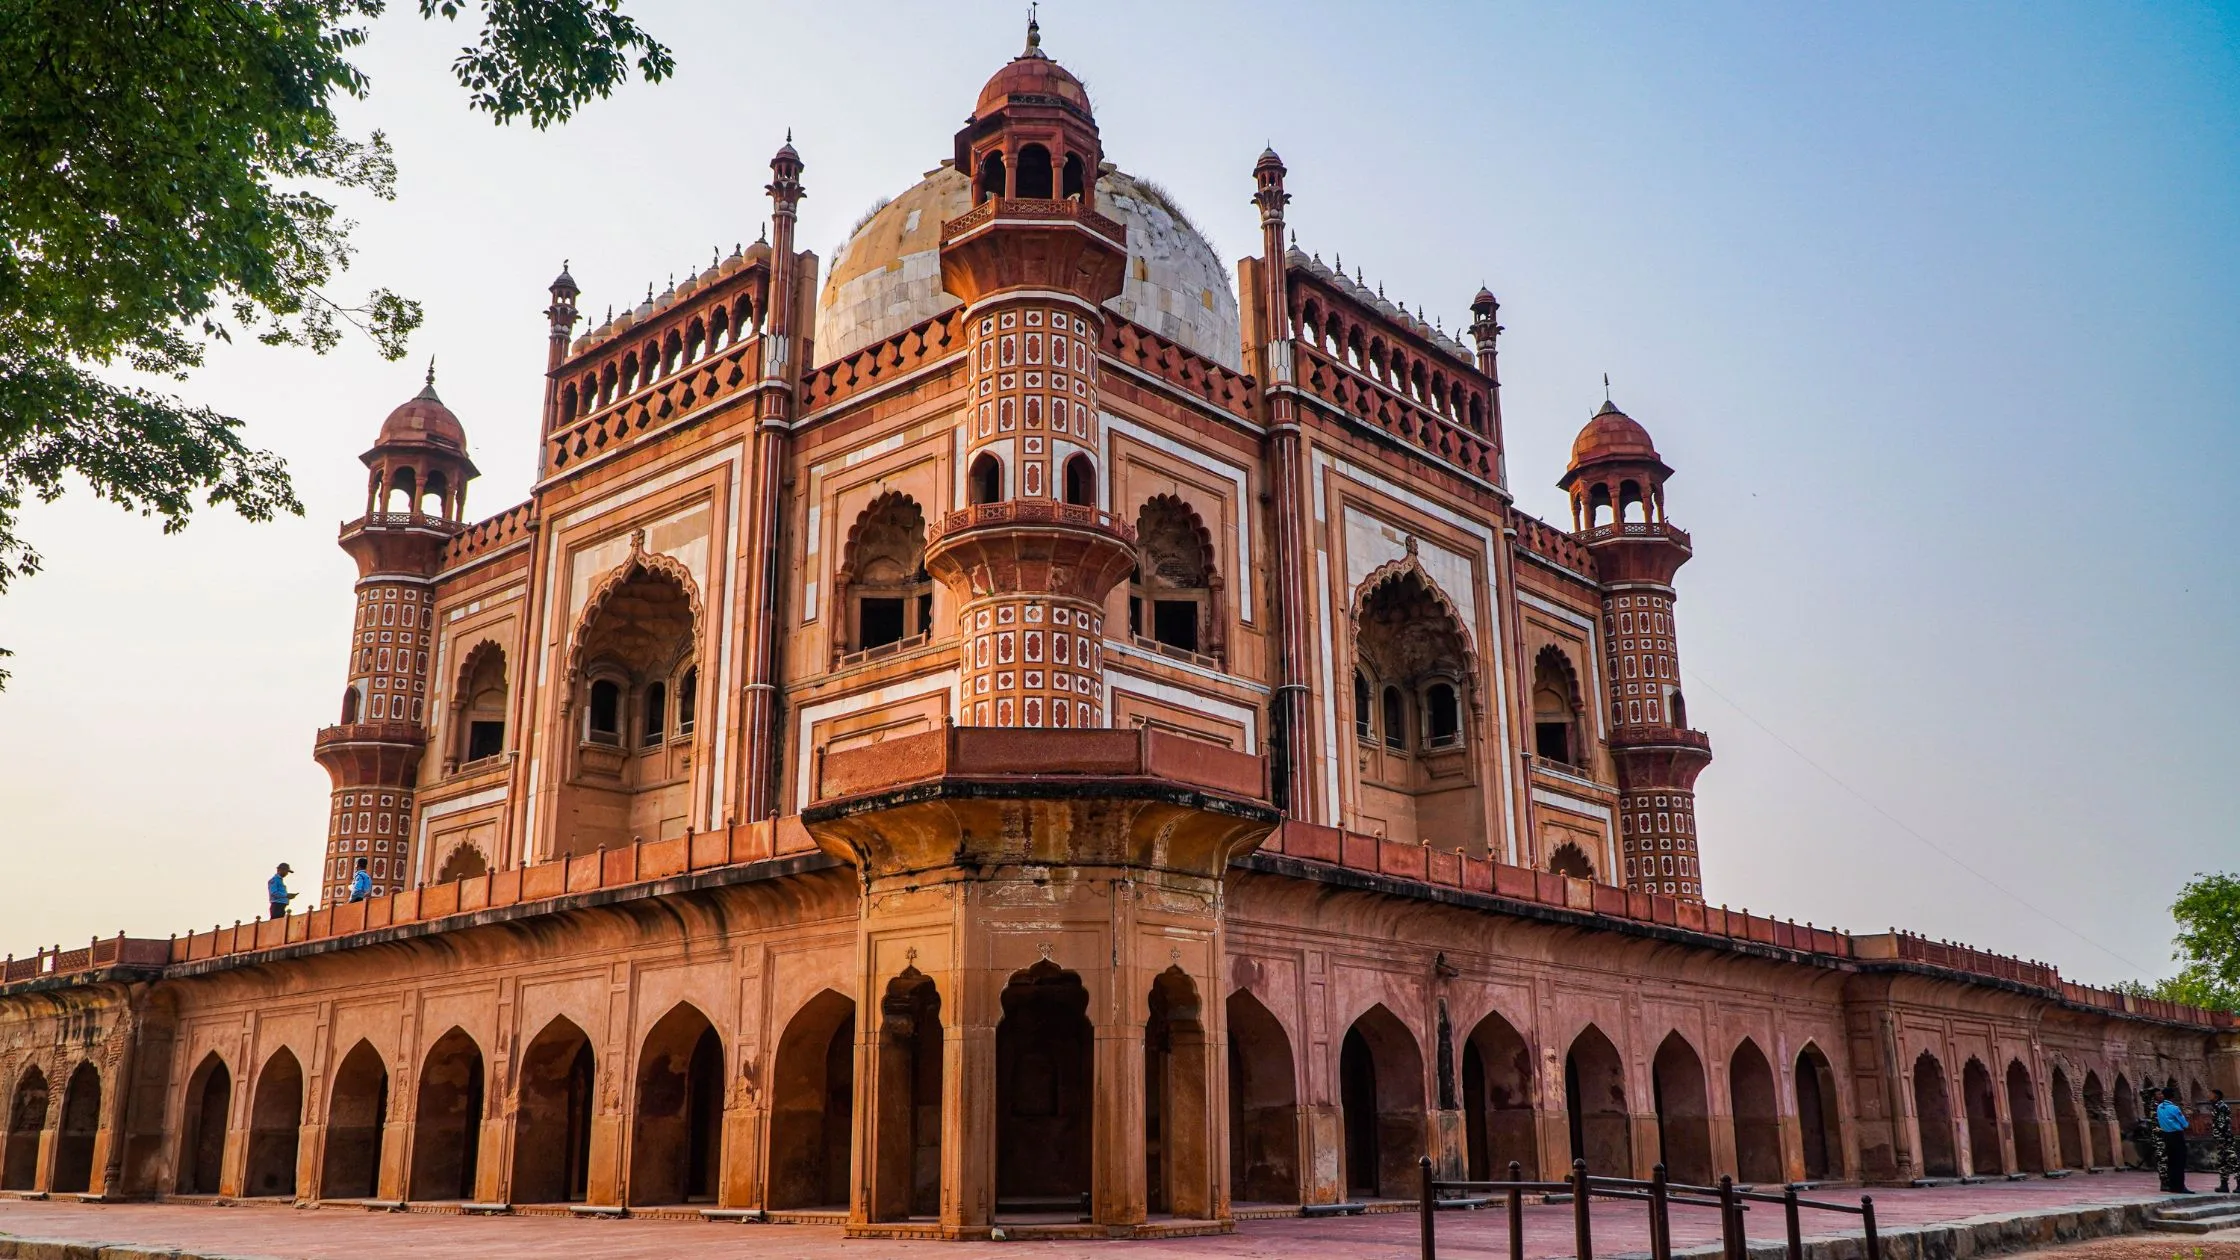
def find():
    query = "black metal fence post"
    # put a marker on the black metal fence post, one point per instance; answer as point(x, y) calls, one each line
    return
point(1660, 1216)
point(1581, 1227)
point(1516, 1211)
point(1730, 1220)
point(1430, 1211)
point(1874, 1240)
point(1789, 1214)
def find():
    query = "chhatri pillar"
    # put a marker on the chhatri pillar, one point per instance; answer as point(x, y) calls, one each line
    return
point(1040, 1037)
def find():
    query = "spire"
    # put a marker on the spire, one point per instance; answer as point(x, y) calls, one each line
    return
point(428, 390)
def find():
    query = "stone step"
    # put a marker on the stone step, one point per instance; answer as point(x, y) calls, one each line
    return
point(2197, 1225)
point(2200, 1206)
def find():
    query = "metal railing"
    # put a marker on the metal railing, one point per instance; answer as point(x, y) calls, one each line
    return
point(1660, 1194)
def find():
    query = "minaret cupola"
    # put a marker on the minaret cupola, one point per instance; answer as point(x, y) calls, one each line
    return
point(1032, 136)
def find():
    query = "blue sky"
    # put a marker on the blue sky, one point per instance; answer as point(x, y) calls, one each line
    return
point(1932, 307)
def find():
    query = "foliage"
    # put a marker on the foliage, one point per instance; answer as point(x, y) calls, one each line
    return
point(2207, 912)
point(165, 168)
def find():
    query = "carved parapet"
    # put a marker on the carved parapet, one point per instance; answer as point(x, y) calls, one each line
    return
point(1030, 546)
point(976, 802)
point(363, 754)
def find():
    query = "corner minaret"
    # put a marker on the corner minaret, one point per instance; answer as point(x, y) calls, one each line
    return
point(1030, 557)
point(416, 497)
point(1616, 482)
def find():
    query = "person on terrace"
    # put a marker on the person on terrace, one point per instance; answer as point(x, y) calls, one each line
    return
point(276, 892)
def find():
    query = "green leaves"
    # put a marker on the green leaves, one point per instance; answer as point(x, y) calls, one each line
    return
point(2208, 916)
point(165, 168)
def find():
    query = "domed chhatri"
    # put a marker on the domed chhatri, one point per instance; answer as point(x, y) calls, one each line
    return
point(1612, 435)
point(1032, 76)
point(423, 420)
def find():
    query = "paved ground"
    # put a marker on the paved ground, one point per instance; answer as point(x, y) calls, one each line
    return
point(348, 1233)
point(2222, 1245)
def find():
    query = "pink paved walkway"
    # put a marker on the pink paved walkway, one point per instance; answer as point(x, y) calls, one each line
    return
point(336, 1233)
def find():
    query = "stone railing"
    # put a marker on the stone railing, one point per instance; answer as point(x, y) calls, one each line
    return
point(1010, 752)
point(693, 387)
point(1186, 370)
point(1034, 209)
point(370, 733)
point(1548, 542)
point(915, 347)
point(494, 534)
point(641, 862)
point(1428, 864)
point(1658, 737)
point(1027, 512)
point(1400, 417)
point(1638, 529)
point(401, 520)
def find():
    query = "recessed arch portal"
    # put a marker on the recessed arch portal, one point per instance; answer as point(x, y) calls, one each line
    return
point(2068, 1127)
point(275, 1128)
point(1932, 1109)
point(1178, 1127)
point(1380, 1083)
point(1263, 1105)
point(1757, 1120)
point(1499, 1125)
point(1594, 1088)
point(356, 1115)
point(676, 1144)
point(75, 1134)
point(27, 1115)
point(812, 1104)
point(552, 1116)
point(448, 1120)
point(202, 1126)
point(1045, 1092)
point(2022, 1112)
point(1818, 1118)
point(1683, 1108)
point(1985, 1154)
point(905, 1154)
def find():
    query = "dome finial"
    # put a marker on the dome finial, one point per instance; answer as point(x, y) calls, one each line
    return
point(1606, 388)
point(428, 388)
point(1034, 34)
point(431, 371)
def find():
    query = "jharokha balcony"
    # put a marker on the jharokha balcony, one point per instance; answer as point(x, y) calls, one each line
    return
point(1637, 529)
point(1660, 737)
point(1032, 210)
point(1027, 512)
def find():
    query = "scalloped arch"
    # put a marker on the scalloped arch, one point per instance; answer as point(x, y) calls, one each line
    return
point(872, 511)
point(1400, 570)
point(1183, 511)
point(651, 564)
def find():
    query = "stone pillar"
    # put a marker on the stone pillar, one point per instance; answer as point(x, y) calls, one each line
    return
point(1322, 1144)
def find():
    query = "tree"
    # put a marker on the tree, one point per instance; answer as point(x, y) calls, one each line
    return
point(164, 172)
point(2207, 912)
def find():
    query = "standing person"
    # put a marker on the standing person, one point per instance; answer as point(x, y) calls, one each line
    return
point(2220, 1132)
point(361, 883)
point(276, 892)
point(2171, 1119)
point(2147, 1135)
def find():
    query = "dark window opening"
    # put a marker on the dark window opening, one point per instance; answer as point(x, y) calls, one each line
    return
point(985, 485)
point(485, 739)
point(1395, 719)
point(880, 622)
point(991, 177)
point(688, 699)
point(604, 722)
point(1034, 172)
point(349, 706)
point(1552, 741)
point(925, 608)
point(1679, 709)
point(1364, 723)
point(1081, 482)
point(657, 714)
point(1443, 713)
point(1174, 622)
point(1135, 614)
point(1073, 185)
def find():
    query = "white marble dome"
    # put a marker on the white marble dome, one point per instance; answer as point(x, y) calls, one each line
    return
point(887, 276)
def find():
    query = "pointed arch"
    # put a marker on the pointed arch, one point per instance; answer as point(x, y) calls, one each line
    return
point(812, 1104)
point(275, 1127)
point(1263, 1104)
point(554, 1097)
point(478, 703)
point(357, 1115)
point(1986, 1154)
point(447, 1120)
point(1045, 1087)
point(1932, 1108)
point(1569, 859)
point(1499, 1123)
point(1683, 1110)
point(202, 1126)
point(2022, 1114)
point(1381, 1094)
point(676, 1144)
point(1819, 1118)
point(642, 565)
point(1594, 1089)
point(1175, 597)
point(2099, 1120)
point(1757, 1120)
point(2068, 1126)
point(886, 595)
point(27, 1116)
point(904, 1154)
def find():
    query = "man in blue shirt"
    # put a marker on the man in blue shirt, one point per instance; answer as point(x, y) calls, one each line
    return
point(2171, 1119)
point(361, 883)
point(276, 892)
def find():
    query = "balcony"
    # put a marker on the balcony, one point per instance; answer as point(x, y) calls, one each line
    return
point(1637, 529)
point(1660, 737)
point(1032, 210)
point(369, 733)
point(1026, 512)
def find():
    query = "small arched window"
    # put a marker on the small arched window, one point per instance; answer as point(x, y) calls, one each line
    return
point(1081, 481)
point(401, 492)
point(602, 718)
point(1034, 173)
point(656, 715)
point(1570, 859)
point(1677, 706)
point(1442, 713)
point(688, 699)
point(1364, 709)
point(1074, 186)
point(349, 705)
point(992, 177)
point(985, 483)
point(1395, 718)
point(1555, 708)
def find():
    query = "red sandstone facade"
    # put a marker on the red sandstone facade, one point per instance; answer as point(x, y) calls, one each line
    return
point(1013, 723)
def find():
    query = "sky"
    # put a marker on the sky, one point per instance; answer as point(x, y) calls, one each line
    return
point(1934, 308)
